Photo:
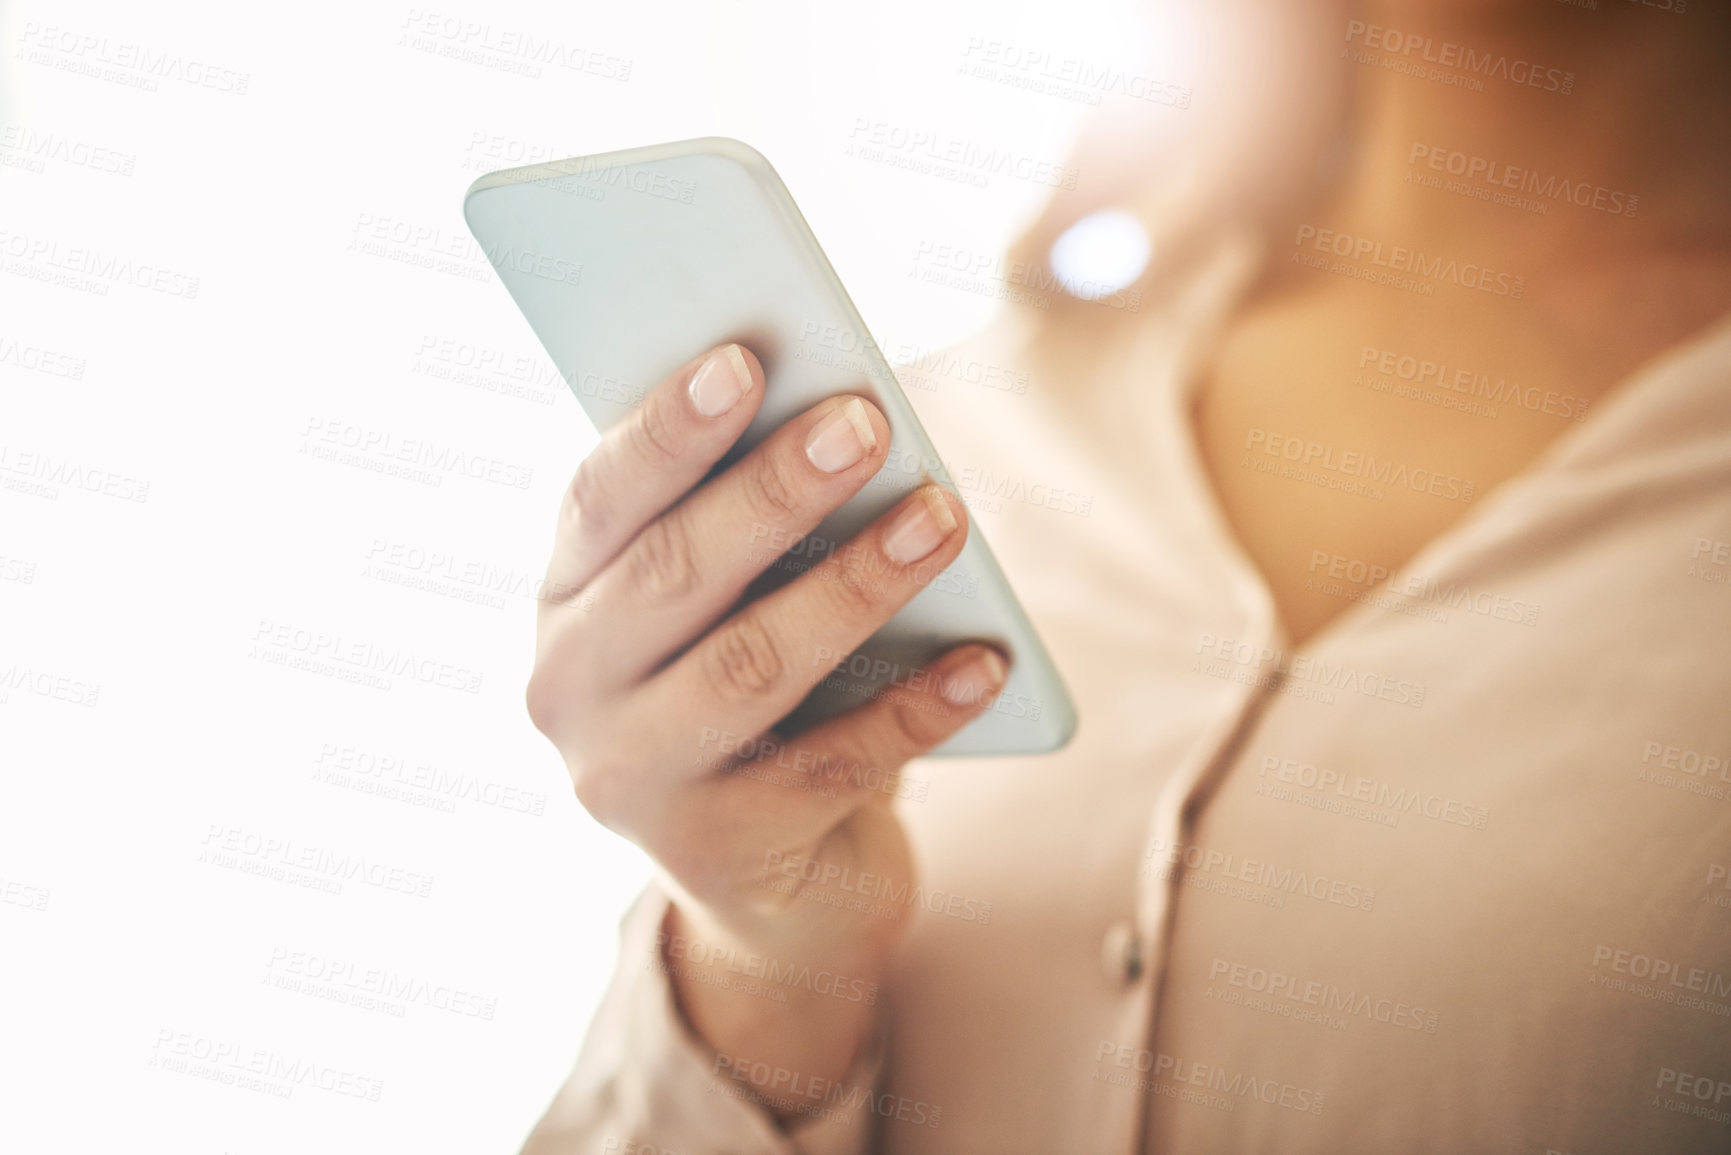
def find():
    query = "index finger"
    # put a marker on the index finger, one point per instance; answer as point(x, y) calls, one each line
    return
point(649, 461)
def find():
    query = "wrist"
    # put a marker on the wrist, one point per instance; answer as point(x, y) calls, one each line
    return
point(808, 1012)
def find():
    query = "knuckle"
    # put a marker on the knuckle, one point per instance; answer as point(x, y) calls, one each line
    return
point(743, 661)
point(585, 504)
point(601, 787)
point(687, 850)
point(911, 730)
point(858, 748)
point(554, 699)
point(772, 488)
point(604, 775)
point(542, 702)
point(662, 562)
point(853, 592)
point(652, 435)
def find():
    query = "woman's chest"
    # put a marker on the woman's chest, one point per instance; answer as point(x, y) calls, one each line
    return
point(1340, 440)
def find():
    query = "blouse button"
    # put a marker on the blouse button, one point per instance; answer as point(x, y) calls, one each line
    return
point(1121, 953)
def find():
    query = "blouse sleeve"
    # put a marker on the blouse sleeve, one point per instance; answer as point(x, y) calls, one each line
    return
point(645, 1084)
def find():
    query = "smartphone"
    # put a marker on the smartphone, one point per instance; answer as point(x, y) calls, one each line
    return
point(627, 264)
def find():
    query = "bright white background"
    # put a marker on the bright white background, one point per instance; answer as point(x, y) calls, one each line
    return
point(131, 945)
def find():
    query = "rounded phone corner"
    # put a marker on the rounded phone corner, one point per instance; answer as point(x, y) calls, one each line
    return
point(1065, 734)
point(484, 182)
point(967, 744)
point(735, 150)
point(726, 147)
point(1064, 719)
point(480, 185)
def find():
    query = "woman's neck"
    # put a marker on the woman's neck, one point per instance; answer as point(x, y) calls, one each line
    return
point(1628, 156)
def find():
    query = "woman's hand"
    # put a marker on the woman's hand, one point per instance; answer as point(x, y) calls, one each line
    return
point(651, 678)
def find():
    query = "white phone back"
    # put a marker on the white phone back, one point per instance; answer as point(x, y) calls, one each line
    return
point(629, 263)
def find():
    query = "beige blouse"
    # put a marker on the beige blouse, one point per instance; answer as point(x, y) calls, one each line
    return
point(1451, 877)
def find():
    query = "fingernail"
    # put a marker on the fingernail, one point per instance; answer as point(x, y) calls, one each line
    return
point(842, 438)
point(974, 681)
point(720, 382)
point(921, 527)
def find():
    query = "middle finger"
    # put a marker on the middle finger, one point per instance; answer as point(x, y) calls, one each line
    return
point(690, 566)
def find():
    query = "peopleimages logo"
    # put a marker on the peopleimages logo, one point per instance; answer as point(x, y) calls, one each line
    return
point(133, 65)
point(1163, 860)
point(42, 475)
point(1070, 77)
point(1233, 1086)
point(1263, 665)
point(1027, 282)
point(1419, 595)
point(1662, 972)
point(677, 949)
point(1397, 261)
point(1374, 792)
point(41, 360)
point(1472, 383)
point(34, 149)
point(286, 644)
point(1357, 465)
point(331, 438)
point(231, 1061)
point(226, 845)
point(895, 894)
point(793, 1092)
point(1414, 47)
point(1494, 176)
point(1326, 996)
point(90, 269)
point(381, 989)
point(921, 148)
